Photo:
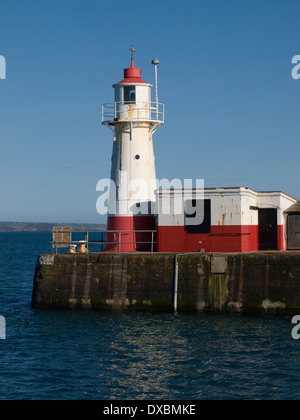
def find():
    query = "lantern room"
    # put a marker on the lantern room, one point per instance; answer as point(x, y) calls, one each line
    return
point(132, 101)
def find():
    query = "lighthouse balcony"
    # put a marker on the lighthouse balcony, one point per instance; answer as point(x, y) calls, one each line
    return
point(138, 111)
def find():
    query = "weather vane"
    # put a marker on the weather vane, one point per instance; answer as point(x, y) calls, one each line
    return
point(132, 51)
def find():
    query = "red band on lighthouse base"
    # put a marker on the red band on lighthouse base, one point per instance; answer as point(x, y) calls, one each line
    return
point(124, 235)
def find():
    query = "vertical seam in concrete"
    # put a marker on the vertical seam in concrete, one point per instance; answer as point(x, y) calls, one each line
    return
point(73, 281)
point(124, 278)
point(110, 291)
point(267, 276)
point(200, 303)
point(87, 283)
point(233, 274)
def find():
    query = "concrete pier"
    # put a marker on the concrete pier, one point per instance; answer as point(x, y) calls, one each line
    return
point(260, 282)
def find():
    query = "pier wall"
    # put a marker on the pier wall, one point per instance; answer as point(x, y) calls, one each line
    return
point(242, 282)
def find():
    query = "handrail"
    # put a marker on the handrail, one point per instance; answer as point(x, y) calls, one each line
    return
point(117, 239)
point(139, 111)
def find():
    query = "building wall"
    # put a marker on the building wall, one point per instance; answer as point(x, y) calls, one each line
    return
point(233, 218)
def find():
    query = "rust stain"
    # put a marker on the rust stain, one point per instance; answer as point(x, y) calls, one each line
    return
point(130, 109)
point(223, 219)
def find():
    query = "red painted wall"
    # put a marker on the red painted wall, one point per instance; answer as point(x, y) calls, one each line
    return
point(176, 239)
point(220, 239)
point(280, 237)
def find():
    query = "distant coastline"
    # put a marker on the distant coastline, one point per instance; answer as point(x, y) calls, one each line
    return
point(38, 227)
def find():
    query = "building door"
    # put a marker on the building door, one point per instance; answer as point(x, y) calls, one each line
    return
point(267, 229)
point(293, 222)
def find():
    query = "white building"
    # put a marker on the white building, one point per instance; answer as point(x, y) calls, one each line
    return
point(232, 220)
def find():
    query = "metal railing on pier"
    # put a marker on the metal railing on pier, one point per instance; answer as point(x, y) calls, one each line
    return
point(137, 111)
point(100, 241)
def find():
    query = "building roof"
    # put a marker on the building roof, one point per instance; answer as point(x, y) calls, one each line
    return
point(295, 208)
point(132, 75)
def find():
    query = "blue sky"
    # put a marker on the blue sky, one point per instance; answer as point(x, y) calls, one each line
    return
point(232, 107)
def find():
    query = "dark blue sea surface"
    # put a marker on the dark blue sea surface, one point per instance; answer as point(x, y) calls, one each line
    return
point(139, 355)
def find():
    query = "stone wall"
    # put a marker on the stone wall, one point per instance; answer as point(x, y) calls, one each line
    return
point(249, 282)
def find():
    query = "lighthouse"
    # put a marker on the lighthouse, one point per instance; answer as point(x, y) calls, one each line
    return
point(133, 118)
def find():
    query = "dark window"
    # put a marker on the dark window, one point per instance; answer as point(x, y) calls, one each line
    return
point(202, 212)
point(129, 94)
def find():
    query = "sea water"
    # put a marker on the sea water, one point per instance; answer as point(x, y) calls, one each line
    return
point(61, 354)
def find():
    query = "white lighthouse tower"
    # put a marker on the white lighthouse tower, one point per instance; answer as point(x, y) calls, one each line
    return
point(133, 118)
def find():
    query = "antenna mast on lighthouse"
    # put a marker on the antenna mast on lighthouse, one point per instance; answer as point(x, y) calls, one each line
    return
point(155, 61)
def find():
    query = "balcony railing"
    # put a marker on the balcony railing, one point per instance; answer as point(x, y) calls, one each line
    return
point(138, 111)
point(97, 241)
